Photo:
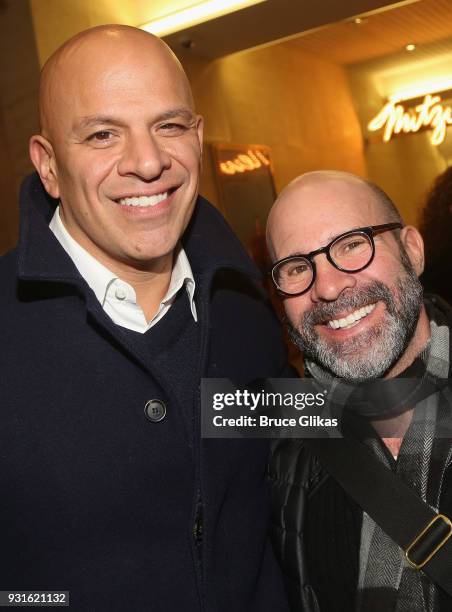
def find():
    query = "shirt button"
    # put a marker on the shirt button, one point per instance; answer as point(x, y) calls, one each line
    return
point(155, 410)
point(120, 293)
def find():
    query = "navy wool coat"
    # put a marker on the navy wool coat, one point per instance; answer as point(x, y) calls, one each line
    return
point(96, 499)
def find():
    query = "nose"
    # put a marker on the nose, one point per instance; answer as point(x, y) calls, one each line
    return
point(143, 156)
point(330, 282)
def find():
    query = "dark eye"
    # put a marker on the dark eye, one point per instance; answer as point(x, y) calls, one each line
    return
point(101, 136)
point(173, 129)
point(353, 245)
point(297, 269)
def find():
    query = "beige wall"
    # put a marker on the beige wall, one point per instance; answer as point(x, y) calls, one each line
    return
point(292, 101)
point(57, 20)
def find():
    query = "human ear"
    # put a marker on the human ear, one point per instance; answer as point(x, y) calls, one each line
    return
point(414, 246)
point(200, 130)
point(43, 159)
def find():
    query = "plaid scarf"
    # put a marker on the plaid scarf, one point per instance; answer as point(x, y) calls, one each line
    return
point(386, 582)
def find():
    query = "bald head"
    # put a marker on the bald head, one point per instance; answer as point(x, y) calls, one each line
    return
point(88, 58)
point(120, 146)
point(352, 298)
point(333, 192)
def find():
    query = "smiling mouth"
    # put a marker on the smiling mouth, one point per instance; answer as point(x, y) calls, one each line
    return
point(352, 318)
point(144, 201)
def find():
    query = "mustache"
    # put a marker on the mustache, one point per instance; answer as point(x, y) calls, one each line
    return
point(350, 300)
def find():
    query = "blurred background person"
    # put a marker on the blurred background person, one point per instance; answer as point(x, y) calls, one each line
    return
point(436, 229)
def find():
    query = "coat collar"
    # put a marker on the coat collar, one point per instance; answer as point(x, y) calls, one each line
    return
point(208, 240)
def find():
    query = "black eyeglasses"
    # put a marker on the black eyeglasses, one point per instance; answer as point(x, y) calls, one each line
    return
point(350, 252)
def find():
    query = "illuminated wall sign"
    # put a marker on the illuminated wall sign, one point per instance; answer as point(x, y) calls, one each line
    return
point(245, 189)
point(244, 162)
point(430, 113)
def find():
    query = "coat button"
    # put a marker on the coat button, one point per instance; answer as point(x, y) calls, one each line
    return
point(155, 410)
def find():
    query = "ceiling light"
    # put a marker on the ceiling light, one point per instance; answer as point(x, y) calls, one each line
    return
point(197, 13)
point(410, 47)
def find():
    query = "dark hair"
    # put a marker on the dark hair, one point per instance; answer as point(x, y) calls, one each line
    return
point(436, 217)
point(436, 229)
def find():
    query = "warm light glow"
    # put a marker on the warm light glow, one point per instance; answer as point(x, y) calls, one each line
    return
point(421, 90)
point(198, 13)
point(430, 113)
point(252, 160)
point(410, 47)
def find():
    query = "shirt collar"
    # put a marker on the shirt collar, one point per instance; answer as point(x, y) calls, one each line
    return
point(99, 278)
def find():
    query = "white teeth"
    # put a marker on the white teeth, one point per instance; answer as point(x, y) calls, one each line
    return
point(143, 201)
point(352, 317)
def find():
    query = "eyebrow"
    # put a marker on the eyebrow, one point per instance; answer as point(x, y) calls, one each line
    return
point(91, 121)
point(177, 112)
point(329, 239)
point(96, 120)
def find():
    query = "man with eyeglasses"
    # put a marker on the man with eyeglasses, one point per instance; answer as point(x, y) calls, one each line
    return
point(347, 271)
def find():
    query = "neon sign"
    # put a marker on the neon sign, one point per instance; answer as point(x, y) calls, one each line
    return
point(244, 162)
point(430, 113)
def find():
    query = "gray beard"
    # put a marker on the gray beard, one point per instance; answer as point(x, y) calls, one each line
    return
point(370, 354)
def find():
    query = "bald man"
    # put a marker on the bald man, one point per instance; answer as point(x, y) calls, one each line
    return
point(347, 271)
point(126, 288)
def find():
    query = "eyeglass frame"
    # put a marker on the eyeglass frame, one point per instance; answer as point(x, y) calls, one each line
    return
point(370, 231)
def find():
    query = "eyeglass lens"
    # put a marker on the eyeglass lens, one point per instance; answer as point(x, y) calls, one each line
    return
point(349, 253)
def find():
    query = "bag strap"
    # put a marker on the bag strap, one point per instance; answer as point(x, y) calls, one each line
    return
point(422, 534)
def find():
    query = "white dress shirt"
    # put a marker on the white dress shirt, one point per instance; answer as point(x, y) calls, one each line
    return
point(118, 298)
